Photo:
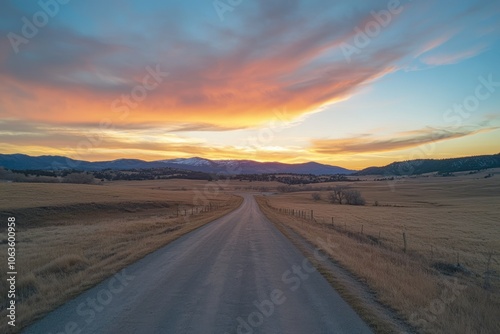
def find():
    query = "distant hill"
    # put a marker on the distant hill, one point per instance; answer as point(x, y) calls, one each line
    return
point(254, 167)
point(422, 166)
point(25, 162)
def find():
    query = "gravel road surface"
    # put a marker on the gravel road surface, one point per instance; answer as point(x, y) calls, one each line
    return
point(237, 274)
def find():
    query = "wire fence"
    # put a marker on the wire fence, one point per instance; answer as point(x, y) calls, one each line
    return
point(438, 256)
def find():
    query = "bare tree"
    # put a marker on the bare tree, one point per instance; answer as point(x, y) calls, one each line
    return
point(316, 196)
point(342, 194)
point(337, 194)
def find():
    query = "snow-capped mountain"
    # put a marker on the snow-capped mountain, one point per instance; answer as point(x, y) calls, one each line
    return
point(190, 161)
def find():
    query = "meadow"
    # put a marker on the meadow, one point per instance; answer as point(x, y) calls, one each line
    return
point(70, 237)
point(451, 226)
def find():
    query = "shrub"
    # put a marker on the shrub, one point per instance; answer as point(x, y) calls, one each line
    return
point(284, 188)
point(81, 178)
point(316, 196)
point(353, 197)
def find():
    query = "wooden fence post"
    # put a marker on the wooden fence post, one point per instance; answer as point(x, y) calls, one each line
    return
point(487, 273)
point(404, 241)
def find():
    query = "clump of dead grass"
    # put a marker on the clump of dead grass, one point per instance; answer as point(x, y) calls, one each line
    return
point(64, 265)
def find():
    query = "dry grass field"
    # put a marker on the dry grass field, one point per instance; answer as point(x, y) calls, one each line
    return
point(445, 220)
point(70, 237)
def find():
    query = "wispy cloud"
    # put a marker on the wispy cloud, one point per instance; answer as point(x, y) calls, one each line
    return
point(399, 141)
point(453, 58)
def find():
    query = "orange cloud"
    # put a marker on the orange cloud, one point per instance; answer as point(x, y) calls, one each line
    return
point(80, 79)
point(245, 98)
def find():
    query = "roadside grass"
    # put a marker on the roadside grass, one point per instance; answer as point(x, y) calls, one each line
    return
point(425, 286)
point(84, 234)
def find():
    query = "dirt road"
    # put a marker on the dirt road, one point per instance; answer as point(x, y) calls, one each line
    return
point(238, 274)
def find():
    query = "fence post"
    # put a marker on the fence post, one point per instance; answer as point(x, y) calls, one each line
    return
point(312, 215)
point(404, 241)
point(487, 273)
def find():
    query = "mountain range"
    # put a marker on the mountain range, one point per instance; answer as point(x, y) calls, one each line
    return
point(411, 167)
point(25, 162)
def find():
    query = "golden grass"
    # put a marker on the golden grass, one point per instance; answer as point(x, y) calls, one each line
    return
point(458, 215)
point(29, 195)
point(222, 184)
point(85, 235)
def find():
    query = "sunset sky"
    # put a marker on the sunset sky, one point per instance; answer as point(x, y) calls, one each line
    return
point(348, 83)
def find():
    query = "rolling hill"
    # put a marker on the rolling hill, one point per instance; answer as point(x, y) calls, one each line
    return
point(422, 166)
point(26, 162)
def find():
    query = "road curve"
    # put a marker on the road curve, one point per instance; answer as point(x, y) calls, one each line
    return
point(238, 274)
